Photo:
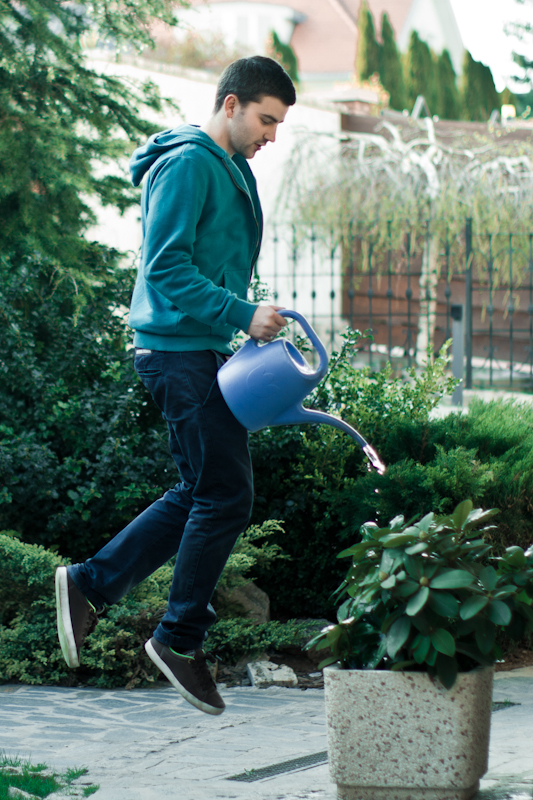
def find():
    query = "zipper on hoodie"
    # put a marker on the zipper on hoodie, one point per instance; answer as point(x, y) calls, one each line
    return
point(256, 251)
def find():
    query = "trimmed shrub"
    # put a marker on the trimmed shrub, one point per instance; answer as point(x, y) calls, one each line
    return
point(113, 654)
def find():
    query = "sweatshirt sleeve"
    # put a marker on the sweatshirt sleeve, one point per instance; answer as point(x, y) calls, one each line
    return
point(172, 215)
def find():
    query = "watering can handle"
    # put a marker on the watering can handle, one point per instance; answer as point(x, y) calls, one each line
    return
point(313, 336)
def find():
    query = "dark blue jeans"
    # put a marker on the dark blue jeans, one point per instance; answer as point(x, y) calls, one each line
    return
point(200, 518)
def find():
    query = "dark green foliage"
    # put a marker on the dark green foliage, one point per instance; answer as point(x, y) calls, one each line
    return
point(420, 73)
point(284, 54)
point(233, 638)
point(448, 101)
point(59, 118)
point(420, 596)
point(478, 94)
point(308, 475)
point(29, 650)
point(114, 654)
point(486, 453)
point(390, 66)
point(367, 57)
point(82, 446)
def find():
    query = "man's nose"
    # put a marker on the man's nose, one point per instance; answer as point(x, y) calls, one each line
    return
point(270, 135)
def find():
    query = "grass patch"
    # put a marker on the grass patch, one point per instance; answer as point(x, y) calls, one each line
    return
point(39, 781)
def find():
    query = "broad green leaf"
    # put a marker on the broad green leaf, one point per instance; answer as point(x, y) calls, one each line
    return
point(489, 578)
point(407, 588)
point(447, 669)
point(333, 633)
point(327, 661)
point(375, 659)
point(499, 612)
point(387, 561)
point(431, 656)
point(389, 583)
point(413, 567)
point(400, 665)
point(396, 523)
point(417, 601)
point(485, 634)
point(473, 652)
point(461, 513)
point(368, 528)
point(444, 604)
point(356, 550)
point(398, 635)
point(477, 516)
point(422, 623)
point(322, 643)
point(515, 557)
point(452, 579)
point(421, 650)
point(505, 591)
point(396, 539)
point(426, 522)
point(473, 606)
point(443, 642)
point(419, 547)
point(344, 610)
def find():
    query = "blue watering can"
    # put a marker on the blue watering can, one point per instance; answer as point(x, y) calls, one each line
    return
point(264, 385)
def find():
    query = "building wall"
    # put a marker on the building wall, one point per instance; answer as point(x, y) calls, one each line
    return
point(244, 25)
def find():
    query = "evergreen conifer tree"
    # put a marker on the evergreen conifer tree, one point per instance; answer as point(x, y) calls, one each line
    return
point(60, 118)
point(367, 58)
point(390, 66)
point(284, 54)
point(478, 93)
point(419, 73)
point(448, 101)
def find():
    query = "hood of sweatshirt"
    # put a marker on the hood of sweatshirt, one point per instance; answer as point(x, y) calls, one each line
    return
point(160, 143)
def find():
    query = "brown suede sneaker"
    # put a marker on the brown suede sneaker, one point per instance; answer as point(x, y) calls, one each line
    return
point(189, 674)
point(76, 617)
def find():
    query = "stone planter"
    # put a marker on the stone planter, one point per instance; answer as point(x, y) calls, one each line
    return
point(402, 736)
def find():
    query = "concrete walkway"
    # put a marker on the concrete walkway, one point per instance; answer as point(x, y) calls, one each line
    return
point(148, 744)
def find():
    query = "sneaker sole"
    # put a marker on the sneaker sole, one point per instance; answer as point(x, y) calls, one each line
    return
point(64, 623)
point(167, 672)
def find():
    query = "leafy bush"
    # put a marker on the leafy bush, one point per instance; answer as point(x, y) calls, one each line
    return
point(114, 654)
point(82, 446)
point(420, 596)
point(306, 475)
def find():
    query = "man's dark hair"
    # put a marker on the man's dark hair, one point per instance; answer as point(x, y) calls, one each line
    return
point(251, 79)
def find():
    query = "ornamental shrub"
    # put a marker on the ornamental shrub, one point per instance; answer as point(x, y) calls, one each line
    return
point(113, 654)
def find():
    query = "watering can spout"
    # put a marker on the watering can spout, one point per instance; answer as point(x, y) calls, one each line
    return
point(299, 414)
point(265, 385)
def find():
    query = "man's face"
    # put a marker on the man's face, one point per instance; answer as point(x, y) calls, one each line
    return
point(250, 127)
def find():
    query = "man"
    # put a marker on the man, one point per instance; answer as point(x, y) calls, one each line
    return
point(202, 228)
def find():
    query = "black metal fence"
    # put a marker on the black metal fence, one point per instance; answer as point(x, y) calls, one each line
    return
point(404, 294)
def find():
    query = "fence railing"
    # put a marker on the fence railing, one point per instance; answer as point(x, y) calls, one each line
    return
point(404, 294)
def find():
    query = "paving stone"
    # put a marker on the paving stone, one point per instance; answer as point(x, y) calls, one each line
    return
point(142, 744)
point(264, 674)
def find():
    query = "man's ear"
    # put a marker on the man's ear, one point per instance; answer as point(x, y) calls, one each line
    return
point(230, 105)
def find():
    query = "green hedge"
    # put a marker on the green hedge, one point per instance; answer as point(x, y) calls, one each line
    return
point(83, 448)
point(114, 654)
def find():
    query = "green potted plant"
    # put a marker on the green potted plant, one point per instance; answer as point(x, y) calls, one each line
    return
point(408, 684)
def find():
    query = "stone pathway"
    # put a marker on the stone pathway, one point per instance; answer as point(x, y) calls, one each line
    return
point(149, 743)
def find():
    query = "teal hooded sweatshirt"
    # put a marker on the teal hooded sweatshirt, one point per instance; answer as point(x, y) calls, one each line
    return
point(202, 228)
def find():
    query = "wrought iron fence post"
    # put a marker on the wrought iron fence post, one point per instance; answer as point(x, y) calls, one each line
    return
point(458, 351)
point(468, 298)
